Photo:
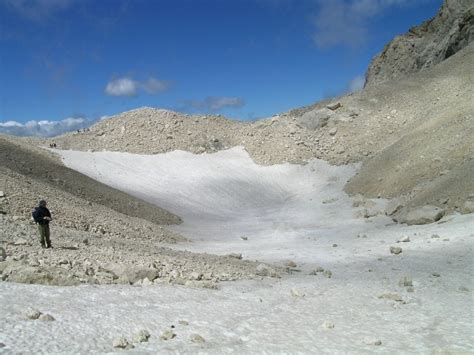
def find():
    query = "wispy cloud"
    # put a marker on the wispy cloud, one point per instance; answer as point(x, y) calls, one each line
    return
point(37, 10)
point(154, 86)
point(130, 87)
point(346, 23)
point(211, 104)
point(44, 128)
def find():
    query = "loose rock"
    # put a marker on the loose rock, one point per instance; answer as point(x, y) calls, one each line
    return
point(372, 341)
point(46, 318)
point(196, 338)
point(33, 261)
point(422, 215)
point(265, 270)
point(315, 119)
point(142, 336)
point(393, 206)
point(20, 241)
point(195, 276)
point(146, 282)
point(121, 343)
point(404, 239)
point(468, 207)
point(33, 313)
point(167, 335)
point(392, 296)
point(406, 281)
point(297, 293)
point(395, 250)
point(327, 325)
point(235, 256)
point(334, 106)
point(327, 273)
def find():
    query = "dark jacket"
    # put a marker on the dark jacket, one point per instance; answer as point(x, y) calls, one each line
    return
point(39, 213)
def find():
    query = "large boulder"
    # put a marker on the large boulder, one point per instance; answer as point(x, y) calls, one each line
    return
point(19, 272)
point(468, 207)
point(395, 205)
point(130, 275)
point(420, 215)
point(315, 119)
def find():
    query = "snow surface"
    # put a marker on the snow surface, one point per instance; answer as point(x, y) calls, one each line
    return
point(287, 212)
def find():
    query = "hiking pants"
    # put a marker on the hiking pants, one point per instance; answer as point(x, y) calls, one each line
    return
point(44, 235)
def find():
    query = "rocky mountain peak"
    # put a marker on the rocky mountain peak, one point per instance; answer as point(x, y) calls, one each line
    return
point(426, 45)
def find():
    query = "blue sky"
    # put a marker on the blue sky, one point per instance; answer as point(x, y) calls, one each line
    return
point(65, 63)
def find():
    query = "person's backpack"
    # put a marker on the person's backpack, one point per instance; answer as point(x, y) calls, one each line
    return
point(36, 214)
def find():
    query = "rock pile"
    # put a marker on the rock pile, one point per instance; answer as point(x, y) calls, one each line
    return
point(106, 259)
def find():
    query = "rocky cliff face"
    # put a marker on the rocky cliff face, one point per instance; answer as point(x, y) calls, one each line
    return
point(426, 45)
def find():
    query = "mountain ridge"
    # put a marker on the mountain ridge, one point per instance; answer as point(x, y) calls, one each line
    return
point(426, 45)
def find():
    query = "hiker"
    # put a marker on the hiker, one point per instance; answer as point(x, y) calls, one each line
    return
point(42, 217)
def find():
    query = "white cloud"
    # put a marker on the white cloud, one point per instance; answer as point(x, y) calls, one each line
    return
point(357, 83)
point(346, 23)
point(130, 87)
point(122, 87)
point(37, 10)
point(212, 103)
point(43, 128)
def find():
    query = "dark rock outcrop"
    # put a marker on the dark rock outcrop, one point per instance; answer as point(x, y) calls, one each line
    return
point(426, 45)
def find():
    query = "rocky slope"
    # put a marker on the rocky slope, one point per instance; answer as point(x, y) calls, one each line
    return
point(100, 235)
point(426, 45)
point(96, 258)
point(44, 176)
point(429, 157)
point(413, 138)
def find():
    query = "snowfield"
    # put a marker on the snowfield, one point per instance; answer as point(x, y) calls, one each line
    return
point(274, 214)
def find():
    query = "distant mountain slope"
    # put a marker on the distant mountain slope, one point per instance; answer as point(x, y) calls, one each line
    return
point(431, 159)
point(414, 135)
point(426, 45)
point(412, 129)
